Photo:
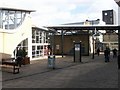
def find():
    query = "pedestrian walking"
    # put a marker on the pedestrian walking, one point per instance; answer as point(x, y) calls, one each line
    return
point(114, 53)
point(98, 51)
point(107, 55)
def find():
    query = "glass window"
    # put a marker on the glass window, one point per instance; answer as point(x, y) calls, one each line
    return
point(37, 32)
point(33, 47)
point(33, 52)
point(44, 39)
point(40, 40)
point(41, 47)
point(40, 33)
point(37, 39)
point(33, 41)
point(38, 47)
point(33, 36)
point(111, 19)
point(11, 19)
point(37, 52)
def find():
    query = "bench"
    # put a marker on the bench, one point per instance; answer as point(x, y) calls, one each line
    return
point(15, 63)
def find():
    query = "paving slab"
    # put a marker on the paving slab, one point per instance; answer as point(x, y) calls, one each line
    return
point(91, 73)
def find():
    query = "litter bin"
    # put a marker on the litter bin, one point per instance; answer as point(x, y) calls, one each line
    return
point(51, 61)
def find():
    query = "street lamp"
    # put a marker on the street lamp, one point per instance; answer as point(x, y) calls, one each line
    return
point(92, 22)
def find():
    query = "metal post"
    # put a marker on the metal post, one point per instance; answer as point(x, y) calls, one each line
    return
point(54, 43)
point(93, 42)
point(88, 42)
point(119, 47)
point(80, 52)
point(74, 50)
point(93, 47)
point(62, 42)
point(92, 23)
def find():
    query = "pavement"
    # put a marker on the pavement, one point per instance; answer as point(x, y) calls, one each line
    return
point(90, 73)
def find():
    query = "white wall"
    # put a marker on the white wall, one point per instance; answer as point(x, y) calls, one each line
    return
point(1, 44)
point(119, 16)
point(11, 38)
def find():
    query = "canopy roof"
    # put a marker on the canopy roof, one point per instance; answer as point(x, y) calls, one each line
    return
point(42, 29)
point(83, 27)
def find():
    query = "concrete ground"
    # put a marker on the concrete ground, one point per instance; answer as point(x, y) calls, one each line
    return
point(91, 73)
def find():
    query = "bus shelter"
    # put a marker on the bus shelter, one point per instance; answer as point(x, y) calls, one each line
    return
point(63, 30)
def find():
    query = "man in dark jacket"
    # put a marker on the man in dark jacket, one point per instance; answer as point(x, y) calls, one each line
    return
point(114, 53)
point(107, 54)
point(98, 51)
point(19, 56)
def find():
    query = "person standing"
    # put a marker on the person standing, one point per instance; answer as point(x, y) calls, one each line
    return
point(49, 50)
point(114, 53)
point(107, 54)
point(19, 56)
point(98, 51)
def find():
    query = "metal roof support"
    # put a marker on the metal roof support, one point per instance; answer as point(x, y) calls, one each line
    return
point(53, 43)
point(93, 43)
point(119, 47)
point(62, 42)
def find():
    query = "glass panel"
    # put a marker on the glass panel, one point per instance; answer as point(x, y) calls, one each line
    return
point(38, 47)
point(40, 40)
point(37, 52)
point(37, 39)
point(37, 32)
point(40, 33)
point(41, 47)
point(33, 41)
point(33, 36)
point(33, 47)
point(11, 19)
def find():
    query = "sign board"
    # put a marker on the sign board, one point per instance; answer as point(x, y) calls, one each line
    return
point(77, 52)
point(77, 47)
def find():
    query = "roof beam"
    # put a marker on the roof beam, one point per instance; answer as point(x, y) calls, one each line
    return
point(15, 9)
point(118, 2)
point(106, 27)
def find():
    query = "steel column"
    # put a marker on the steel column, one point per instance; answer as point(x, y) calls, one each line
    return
point(119, 47)
point(62, 42)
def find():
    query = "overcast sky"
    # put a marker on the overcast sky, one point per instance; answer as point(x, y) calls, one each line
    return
point(55, 12)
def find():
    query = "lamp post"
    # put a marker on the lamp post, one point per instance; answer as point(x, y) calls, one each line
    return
point(92, 22)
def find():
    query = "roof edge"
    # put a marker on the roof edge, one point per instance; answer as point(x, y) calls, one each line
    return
point(16, 9)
